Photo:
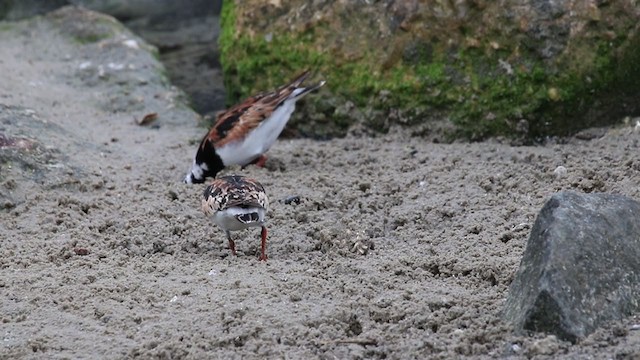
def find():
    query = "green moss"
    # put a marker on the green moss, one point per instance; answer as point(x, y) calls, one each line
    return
point(252, 65)
point(5, 26)
point(491, 100)
point(612, 80)
point(482, 97)
point(90, 38)
point(227, 30)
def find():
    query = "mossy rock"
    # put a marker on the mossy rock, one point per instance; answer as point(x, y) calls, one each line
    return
point(530, 70)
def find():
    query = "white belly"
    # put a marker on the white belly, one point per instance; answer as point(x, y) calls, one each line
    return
point(258, 141)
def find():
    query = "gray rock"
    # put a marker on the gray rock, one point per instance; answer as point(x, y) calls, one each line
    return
point(27, 154)
point(101, 70)
point(580, 268)
point(185, 32)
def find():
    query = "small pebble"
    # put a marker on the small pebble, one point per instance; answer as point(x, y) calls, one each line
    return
point(293, 199)
point(560, 172)
point(81, 251)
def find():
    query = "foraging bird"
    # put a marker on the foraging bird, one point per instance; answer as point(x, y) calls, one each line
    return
point(236, 203)
point(242, 134)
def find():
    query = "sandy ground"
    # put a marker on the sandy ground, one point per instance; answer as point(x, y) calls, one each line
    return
point(397, 248)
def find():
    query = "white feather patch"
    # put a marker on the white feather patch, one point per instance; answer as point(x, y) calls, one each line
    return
point(260, 139)
point(228, 221)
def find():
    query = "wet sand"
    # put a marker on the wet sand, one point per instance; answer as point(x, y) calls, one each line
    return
point(395, 247)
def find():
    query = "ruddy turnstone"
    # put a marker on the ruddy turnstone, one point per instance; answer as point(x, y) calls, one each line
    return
point(242, 134)
point(236, 202)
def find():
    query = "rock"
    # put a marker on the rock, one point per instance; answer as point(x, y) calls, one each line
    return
point(560, 66)
point(560, 172)
point(101, 71)
point(185, 32)
point(580, 268)
point(26, 160)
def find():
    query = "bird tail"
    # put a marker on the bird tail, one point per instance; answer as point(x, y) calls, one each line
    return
point(248, 218)
point(296, 87)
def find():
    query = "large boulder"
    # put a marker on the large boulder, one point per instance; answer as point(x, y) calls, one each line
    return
point(87, 65)
point(525, 67)
point(185, 33)
point(580, 268)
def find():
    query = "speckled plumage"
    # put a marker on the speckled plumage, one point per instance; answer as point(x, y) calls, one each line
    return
point(235, 203)
point(243, 133)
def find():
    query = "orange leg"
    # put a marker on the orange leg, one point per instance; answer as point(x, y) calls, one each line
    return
point(260, 161)
point(232, 245)
point(263, 245)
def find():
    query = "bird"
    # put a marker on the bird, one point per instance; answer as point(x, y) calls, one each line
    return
point(236, 202)
point(243, 133)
